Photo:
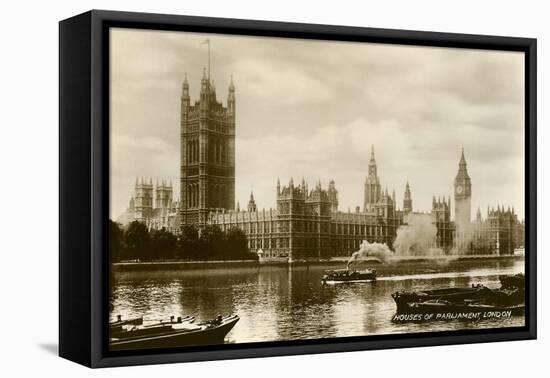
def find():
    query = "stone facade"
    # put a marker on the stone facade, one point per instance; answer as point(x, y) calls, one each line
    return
point(308, 225)
point(499, 233)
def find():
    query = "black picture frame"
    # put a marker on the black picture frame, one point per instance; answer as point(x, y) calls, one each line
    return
point(84, 185)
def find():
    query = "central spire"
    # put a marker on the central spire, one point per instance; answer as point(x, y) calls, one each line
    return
point(372, 163)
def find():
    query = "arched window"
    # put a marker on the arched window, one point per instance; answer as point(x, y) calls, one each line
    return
point(221, 196)
point(196, 190)
point(198, 195)
point(212, 149)
point(214, 197)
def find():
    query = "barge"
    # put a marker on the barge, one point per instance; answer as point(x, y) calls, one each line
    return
point(510, 297)
point(172, 334)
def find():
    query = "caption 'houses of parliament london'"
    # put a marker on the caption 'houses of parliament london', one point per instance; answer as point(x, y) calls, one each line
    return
point(307, 222)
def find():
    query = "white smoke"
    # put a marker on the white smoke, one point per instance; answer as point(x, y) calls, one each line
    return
point(464, 232)
point(370, 252)
point(417, 237)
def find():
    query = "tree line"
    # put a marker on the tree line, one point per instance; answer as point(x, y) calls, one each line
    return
point(136, 242)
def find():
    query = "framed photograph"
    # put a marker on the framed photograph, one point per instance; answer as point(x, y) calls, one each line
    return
point(234, 188)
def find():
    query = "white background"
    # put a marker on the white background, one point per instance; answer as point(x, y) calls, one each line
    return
point(29, 187)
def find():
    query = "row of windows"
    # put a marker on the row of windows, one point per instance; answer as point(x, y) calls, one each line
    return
point(217, 196)
point(267, 227)
point(358, 229)
point(217, 151)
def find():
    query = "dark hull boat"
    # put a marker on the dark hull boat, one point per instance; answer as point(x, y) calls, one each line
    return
point(348, 275)
point(464, 308)
point(171, 335)
point(478, 298)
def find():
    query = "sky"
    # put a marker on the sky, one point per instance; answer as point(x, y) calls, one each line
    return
point(313, 109)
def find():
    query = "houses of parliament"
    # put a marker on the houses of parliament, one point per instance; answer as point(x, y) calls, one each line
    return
point(306, 223)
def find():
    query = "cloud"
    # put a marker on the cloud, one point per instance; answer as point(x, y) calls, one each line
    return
point(282, 84)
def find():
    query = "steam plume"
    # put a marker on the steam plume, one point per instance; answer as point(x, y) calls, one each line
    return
point(375, 252)
point(417, 237)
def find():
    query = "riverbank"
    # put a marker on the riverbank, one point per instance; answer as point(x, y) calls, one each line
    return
point(209, 264)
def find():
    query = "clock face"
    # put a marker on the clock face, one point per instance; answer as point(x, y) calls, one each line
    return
point(459, 189)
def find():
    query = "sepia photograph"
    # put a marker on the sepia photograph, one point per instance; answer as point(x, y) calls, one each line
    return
point(267, 189)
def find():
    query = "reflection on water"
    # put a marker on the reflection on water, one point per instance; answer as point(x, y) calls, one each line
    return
point(282, 303)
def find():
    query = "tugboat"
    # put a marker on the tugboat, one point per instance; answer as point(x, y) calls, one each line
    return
point(348, 275)
point(171, 334)
point(509, 297)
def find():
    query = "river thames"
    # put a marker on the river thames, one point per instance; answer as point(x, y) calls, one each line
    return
point(286, 303)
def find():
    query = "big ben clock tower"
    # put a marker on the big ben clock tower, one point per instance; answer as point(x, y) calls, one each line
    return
point(463, 193)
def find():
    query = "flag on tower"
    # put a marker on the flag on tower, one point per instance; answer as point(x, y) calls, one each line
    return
point(207, 42)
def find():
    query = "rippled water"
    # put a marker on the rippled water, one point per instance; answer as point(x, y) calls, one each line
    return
point(283, 303)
